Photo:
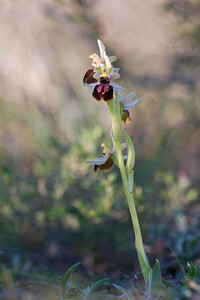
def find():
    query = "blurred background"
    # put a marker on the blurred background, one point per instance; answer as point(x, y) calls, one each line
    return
point(52, 205)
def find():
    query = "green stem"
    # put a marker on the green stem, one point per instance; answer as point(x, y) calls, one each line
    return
point(138, 236)
point(114, 108)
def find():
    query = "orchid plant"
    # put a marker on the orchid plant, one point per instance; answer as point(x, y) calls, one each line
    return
point(100, 80)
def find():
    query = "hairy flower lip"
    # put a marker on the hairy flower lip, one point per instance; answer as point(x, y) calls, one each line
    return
point(106, 166)
point(126, 117)
point(103, 90)
point(116, 87)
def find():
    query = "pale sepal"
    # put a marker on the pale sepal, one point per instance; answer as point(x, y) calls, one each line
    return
point(117, 87)
point(128, 98)
point(108, 64)
point(98, 161)
point(101, 49)
point(132, 103)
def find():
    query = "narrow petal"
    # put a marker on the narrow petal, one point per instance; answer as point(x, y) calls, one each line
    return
point(94, 56)
point(106, 151)
point(112, 58)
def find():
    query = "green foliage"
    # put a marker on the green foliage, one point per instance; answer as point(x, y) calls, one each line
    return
point(66, 196)
point(155, 285)
point(189, 283)
point(130, 153)
point(77, 293)
point(59, 187)
point(124, 291)
point(23, 281)
point(65, 280)
point(72, 205)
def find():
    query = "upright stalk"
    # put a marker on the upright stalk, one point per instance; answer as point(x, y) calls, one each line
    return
point(99, 79)
point(115, 114)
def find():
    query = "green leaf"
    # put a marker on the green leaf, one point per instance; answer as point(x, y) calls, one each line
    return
point(96, 285)
point(167, 283)
point(125, 292)
point(130, 181)
point(114, 159)
point(144, 262)
point(180, 266)
point(194, 241)
point(130, 153)
point(66, 278)
point(156, 284)
point(149, 284)
point(197, 270)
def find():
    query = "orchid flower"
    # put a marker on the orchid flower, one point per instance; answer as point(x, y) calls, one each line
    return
point(105, 163)
point(101, 61)
point(127, 103)
point(104, 89)
point(99, 77)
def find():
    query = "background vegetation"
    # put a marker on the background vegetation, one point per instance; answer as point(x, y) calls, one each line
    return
point(54, 211)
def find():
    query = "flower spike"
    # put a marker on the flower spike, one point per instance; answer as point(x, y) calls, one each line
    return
point(99, 77)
